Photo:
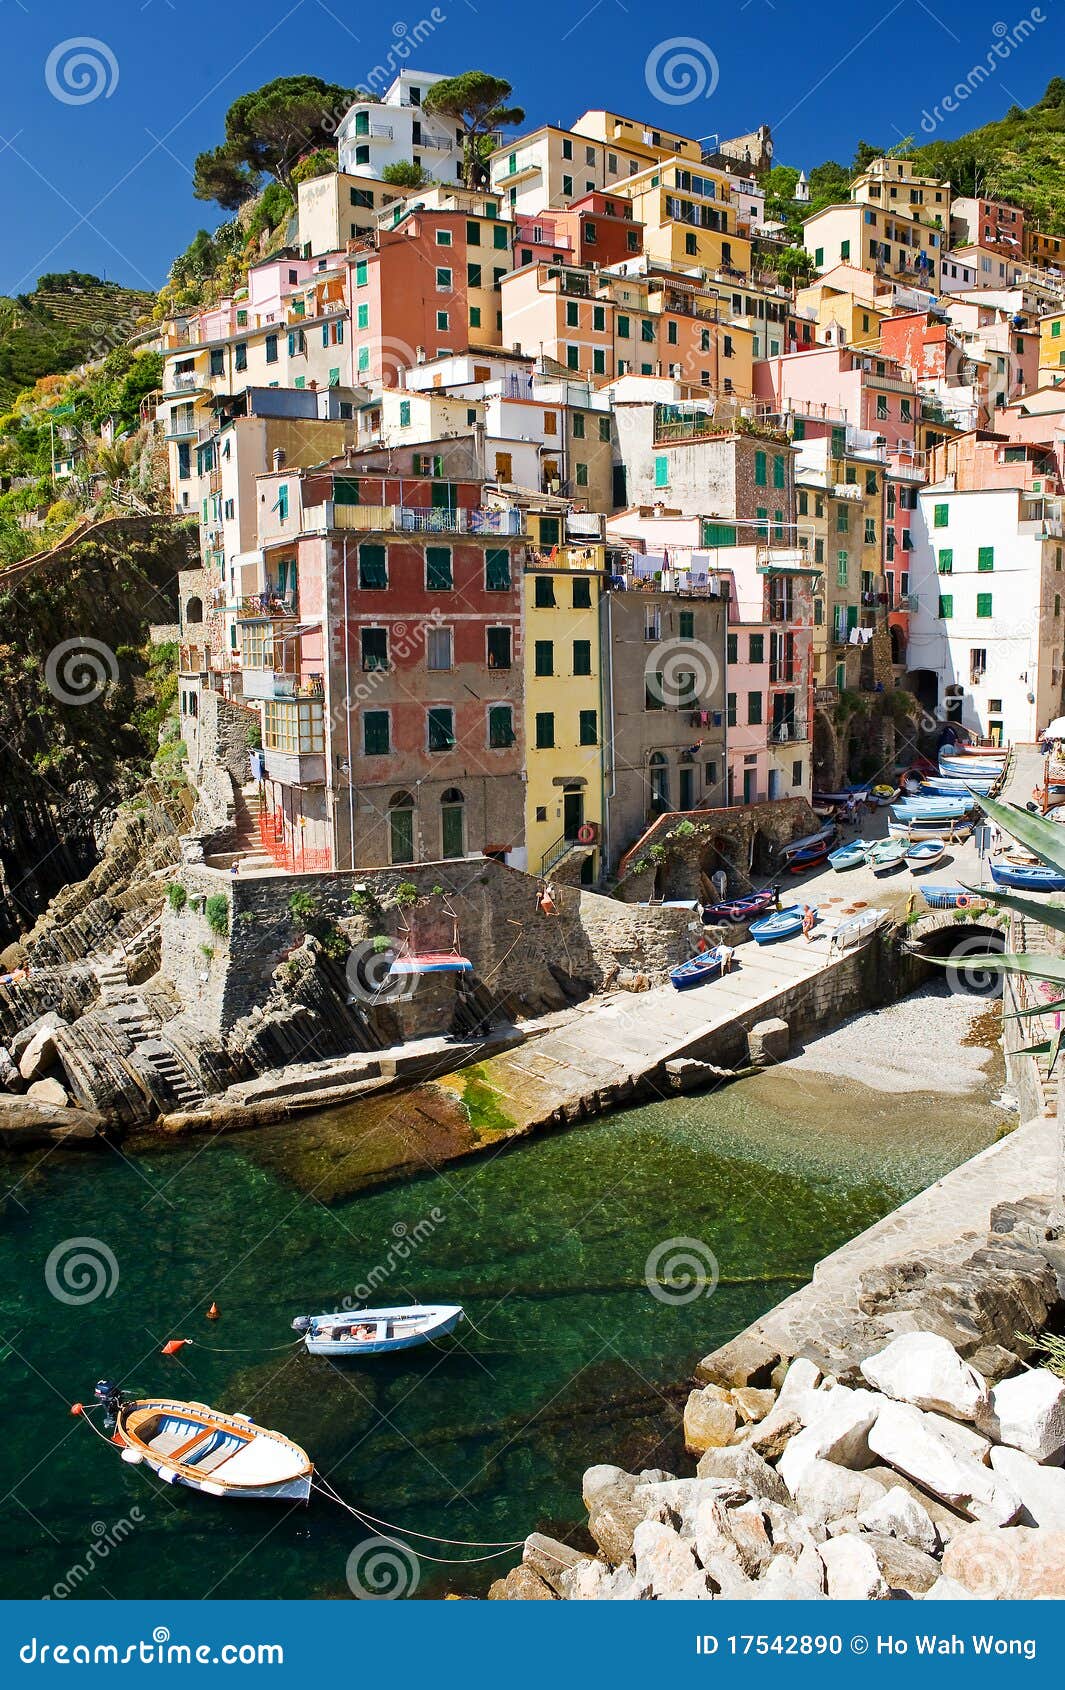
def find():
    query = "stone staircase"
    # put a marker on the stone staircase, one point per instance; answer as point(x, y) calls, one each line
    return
point(247, 851)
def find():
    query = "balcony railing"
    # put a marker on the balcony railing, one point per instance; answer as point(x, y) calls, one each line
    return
point(188, 382)
point(788, 732)
point(407, 519)
point(276, 606)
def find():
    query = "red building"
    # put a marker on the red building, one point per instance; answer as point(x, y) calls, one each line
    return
point(389, 669)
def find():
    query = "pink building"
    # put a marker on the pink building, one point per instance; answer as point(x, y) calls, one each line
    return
point(862, 388)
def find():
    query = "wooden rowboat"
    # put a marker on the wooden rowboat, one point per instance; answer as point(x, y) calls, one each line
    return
point(698, 969)
point(740, 910)
point(848, 856)
point(224, 1455)
point(925, 853)
point(782, 924)
point(886, 855)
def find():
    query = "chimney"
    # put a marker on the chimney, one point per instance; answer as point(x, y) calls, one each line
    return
point(279, 458)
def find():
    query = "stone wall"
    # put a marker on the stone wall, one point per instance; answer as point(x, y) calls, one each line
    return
point(527, 962)
point(743, 843)
point(220, 735)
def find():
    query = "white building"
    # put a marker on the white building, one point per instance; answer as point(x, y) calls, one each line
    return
point(986, 640)
point(398, 130)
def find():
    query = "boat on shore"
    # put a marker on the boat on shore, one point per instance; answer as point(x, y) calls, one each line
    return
point(931, 809)
point(709, 965)
point(813, 848)
point(223, 1455)
point(886, 855)
point(782, 924)
point(1027, 877)
point(856, 929)
point(955, 786)
point(924, 854)
point(952, 832)
point(740, 910)
point(848, 856)
point(950, 898)
point(373, 1332)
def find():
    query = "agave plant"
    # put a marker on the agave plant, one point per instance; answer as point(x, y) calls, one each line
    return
point(1047, 840)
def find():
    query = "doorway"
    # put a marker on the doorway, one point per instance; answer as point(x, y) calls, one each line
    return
point(687, 786)
point(572, 813)
point(452, 823)
point(401, 828)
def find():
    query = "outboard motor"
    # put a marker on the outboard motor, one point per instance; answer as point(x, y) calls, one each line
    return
point(302, 1323)
point(110, 1395)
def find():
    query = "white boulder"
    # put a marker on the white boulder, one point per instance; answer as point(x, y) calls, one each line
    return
point(664, 1561)
point(838, 1432)
point(802, 1376)
point(1040, 1488)
point(852, 1571)
point(926, 1370)
point(898, 1514)
point(1028, 1412)
point(825, 1491)
point(903, 1438)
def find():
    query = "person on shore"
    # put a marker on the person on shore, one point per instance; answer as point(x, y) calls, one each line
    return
point(808, 919)
point(727, 954)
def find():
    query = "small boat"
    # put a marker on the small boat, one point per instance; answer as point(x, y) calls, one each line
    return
point(226, 1455)
point(886, 855)
point(810, 858)
point(950, 786)
point(925, 853)
point(429, 962)
point(740, 910)
point(375, 1332)
point(706, 966)
point(931, 809)
point(969, 768)
point(1027, 877)
point(848, 856)
point(933, 828)
point(885, 794)
point(856, 929)
point(780, 925)
point(949, 898)
point(813, 847)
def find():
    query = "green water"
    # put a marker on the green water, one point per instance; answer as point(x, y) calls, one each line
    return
point(544, 1242)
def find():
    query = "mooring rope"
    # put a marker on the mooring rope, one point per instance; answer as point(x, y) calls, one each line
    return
point(371, 1521)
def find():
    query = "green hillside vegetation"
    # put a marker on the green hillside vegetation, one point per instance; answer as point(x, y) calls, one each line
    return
point(67, 319)
point(1021, 158)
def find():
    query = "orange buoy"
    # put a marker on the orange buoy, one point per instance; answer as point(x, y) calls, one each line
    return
point(212, 1312)
point(77, 1408)
point(173, 1345)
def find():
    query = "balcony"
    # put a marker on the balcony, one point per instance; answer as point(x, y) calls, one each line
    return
point(407, 519)
point(275, 607)
point(185, 384)
point(525, 164)
point(194, 659)
point(789, 732)
point(180, 428)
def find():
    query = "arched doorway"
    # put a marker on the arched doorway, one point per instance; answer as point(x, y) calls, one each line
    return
point(898, 645)
point(194, 610)
point(658, 773)
point(401, 828)
point(452, 823)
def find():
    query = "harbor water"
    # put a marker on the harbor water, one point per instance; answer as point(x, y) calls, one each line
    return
point(580, 1354)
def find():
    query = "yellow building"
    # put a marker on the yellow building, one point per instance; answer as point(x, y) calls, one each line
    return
point(830, 303)
point(688, 217)
point(1052, 347)
point(563, 703)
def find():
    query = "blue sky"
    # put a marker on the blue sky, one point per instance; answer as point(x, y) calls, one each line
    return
point(104, 184)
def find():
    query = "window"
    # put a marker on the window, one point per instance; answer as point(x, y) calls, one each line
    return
point(443, 237)
point(599, 318)
point(687, 624)
point(442, 322)
point(796, 774)
point(438, 576)
point(983, 604)
point(496, 570)
point(373, 645)
point(581, 475)
point(719, 534)
point(282, 504)
point(730, 710)
point(732, 649)
point(653, 690)
point(946, 606)
point(905, 411)
point(545, 730)
point(946, 560)
point(756, 652)
point(841, 569)
point(843, 519)
point(940, 516)
point(271, 349)
point(844, 249)
point(977, 663)
point(661, 471)
point(578, 425)
point(881, 407)
point(760, 469)
point(604, 430)
point(778, 472)
point(598, 361)
point(985, 558)
point(544, 592)
point(375, 734)
point(438, 649)
point(217, 362)
point(567, 187)
point(623, 328)
point(404, 413)
point(567, 149)
point(544, 657)
point(500, 237)
point(582, 657)
point(240, 355)
point(441, 720)
point(754, 708)
point(589, 727)
point(500, 726)
point(573, 357)
point(573, 314)
point(373, 566)
point(581, 593)
point(499, 648)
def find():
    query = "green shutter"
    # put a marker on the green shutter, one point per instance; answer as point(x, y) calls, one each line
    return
point(438, 577)
point(662, 471)
point(985, 558)
point(946, 560)
point(983, 604)
point(496, 569)
point(760, 469)
point(940, 516)
point(946, 606)
point(373, 566)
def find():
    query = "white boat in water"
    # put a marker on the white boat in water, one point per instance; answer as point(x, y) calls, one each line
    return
point(223, 1455)
point(374, 1332)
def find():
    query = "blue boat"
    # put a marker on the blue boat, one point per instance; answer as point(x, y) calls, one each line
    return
point(374, 1332)
point(847, 856)
point(812, 848)
point(969, 768)
point(949, 786)
point(707, 966)
point(925, 853)
point(931, 809)
point(886, 855)
point(782, 924)
point(947, 897)
point(1027, 877)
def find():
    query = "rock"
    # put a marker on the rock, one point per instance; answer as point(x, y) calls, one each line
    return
point(24, 1124)
point(40, 1053)
point(23, 1039)
point(784, 1582)
point(10, 1078)
point(897, 1514)
point(685, 1073)
point(770, 1437)
point(678, 1501)
point(1040, 1488)
point(753, 1404)
point(665, 1562)
point(852, 1571)
point(839, 1432)
point(747, 1524)
point(612, 1522)
point(1022, 1564)
point(747, 1468)
point(903, 1566)
point(48, 1092)
point(966, 1440)
point(745, 1360)
point(708, 1422)
point(948, 1590)
point(946, 1520)
point(993, 1363)
point(825, 1491)
point(593, 1581)
point(802, 1376)
point(903, 1438)
point(927, 1371)
point(769, 1041)
point(549, 1559)
point(598, 1481)
point(521, 1585)
point(1028, 1412)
